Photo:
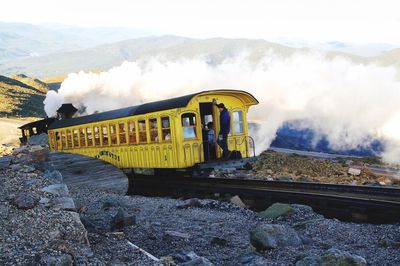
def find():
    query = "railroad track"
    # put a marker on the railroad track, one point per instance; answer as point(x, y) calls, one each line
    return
point(351, 203)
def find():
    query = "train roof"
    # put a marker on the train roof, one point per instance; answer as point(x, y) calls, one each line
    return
point(172, 103)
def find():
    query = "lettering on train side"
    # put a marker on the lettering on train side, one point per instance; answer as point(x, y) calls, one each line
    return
point(108, 154)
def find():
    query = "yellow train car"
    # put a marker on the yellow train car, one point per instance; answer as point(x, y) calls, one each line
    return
point(163, 134)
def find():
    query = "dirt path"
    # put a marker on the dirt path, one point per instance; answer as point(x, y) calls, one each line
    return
point(9, 132)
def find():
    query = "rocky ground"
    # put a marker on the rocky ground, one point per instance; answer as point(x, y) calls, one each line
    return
point(44, 222)
point(272, 165)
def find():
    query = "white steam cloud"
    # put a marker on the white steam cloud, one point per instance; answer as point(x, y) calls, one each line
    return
point(349, 104)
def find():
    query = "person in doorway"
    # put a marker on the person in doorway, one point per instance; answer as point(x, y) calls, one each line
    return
point(211, 140)
point(225, 128)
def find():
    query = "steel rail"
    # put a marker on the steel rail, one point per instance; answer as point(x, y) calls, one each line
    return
point(378, 201)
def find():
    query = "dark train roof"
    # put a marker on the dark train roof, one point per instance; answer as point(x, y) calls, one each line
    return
point(40, 123)
point(124, 112)
point(173, 103)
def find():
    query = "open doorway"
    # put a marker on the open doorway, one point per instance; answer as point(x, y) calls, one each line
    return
point(208, 131)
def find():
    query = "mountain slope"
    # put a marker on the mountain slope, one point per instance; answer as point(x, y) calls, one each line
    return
point(106, 56)
point(29, 40)
point(20, 99)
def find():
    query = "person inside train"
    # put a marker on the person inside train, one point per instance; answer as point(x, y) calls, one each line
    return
point(224, 129)
point(211, 140)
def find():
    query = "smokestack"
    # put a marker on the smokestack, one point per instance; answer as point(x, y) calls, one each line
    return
point(66, 111)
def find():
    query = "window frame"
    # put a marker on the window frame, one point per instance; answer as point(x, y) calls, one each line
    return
point(96, 136)
point(240, 122)
point(125, 127)
point(152, 130)
point(165, 128)
point(135, 132)
point(75, 138)
point(141, 131)
point(194, 126)
point(82, 139)
point(113, 136)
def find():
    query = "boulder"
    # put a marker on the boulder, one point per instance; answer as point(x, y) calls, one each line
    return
point(122, 219)
point(237, 201)
point(53, 175)
point(26, 200)
point(39, 153)
point(64, 203)
point(40, 139)
point(276, 210)
point(269, 236)
point(333, 257)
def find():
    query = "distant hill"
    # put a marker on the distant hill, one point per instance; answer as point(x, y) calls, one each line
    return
point(22, 96)
point(23, 40)
point(106, 56)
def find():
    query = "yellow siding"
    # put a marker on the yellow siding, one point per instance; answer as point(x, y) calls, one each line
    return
point(176, 153)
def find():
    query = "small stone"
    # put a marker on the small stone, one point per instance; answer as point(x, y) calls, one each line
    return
point(183, 258)
point(27, 169)
point(57, 190)
point(56, 260)
point(237, 201)
point(354, 171)
point(122, 219)
point(218, 241)
point(309, 261)
point(26, 200)
point(337, 257)
point(44, 201)
point(190, 203)
point(177, 234)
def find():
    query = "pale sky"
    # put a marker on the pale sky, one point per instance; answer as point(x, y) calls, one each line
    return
point(357, 21)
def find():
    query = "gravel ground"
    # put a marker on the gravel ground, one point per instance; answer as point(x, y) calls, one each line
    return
point(219, 231)
point(36, 232)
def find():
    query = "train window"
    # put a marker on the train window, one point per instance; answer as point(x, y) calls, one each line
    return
point(96, 136)
point(75, 137)
point(153, 130)
point(89, 136)
point(122, 133)
point(238, 127)
point(166, 129)
point(113, 134)
point(132, 132)
point(63, 140)
point(69, 139)
point(82, 137)
point(142, 131)
point(189, 126)
point(104, 134)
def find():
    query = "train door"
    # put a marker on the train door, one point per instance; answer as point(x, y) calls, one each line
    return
point(208, 123)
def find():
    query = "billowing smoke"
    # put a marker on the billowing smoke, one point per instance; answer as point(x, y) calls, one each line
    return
point(350, 104)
